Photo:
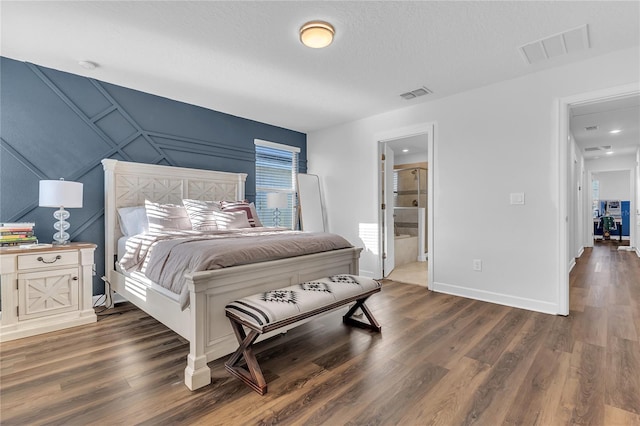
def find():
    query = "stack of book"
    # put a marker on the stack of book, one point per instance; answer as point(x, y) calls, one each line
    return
point(17, 234)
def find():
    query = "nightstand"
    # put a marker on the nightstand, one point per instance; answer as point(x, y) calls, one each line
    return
point(45, 289)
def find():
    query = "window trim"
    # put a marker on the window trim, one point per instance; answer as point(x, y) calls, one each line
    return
point(275, 145)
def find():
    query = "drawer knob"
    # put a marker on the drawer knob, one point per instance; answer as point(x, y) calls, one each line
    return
point(75, 278)
point(58, 257)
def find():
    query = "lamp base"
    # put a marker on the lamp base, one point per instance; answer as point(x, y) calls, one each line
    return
point(61, 237)
point(276, 218)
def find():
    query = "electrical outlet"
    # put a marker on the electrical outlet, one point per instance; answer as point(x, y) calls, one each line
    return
point(477, 265)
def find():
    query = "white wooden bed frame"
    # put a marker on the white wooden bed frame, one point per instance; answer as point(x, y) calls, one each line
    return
point(204, 323)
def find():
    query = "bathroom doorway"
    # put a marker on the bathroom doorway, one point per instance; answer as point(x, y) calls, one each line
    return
point(404, 191)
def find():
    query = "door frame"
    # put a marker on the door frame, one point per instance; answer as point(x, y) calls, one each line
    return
point(428, 129)
point(563, 149)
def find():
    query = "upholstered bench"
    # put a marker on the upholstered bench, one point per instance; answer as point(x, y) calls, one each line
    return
point(274, 309)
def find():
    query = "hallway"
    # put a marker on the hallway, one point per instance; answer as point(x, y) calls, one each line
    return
point(605, 333)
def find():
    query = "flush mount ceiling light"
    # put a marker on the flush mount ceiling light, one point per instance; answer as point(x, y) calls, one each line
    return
point(317, 34)
point(405, 150)
point(616, 131)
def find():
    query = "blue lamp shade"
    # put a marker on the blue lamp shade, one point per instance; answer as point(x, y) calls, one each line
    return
point(60, 194)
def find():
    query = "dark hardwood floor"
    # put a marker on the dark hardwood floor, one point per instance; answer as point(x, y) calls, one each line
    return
point(439, 360)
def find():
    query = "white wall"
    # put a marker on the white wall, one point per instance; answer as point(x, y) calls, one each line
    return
point(614, 185)
point(489, 142)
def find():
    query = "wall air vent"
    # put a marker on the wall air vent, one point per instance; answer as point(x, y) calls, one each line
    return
point(591, 128)
point(559, 44)
point(415, 93)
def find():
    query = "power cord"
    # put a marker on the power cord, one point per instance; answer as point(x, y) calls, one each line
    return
point(106, 299)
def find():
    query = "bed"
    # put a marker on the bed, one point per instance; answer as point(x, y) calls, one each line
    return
point(203, 323)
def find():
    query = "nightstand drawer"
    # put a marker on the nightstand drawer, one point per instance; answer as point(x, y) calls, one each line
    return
point(47, 260)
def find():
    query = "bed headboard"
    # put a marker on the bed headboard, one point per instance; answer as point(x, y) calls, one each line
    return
point(128, 184)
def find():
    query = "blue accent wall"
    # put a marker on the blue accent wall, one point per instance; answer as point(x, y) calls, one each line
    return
point(59, 125)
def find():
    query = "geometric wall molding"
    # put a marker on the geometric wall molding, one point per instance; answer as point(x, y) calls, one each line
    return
point(60, 125)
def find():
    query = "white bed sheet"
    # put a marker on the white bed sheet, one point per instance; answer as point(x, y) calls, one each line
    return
point(144, 282)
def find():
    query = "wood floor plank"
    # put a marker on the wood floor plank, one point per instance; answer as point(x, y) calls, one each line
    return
point(622, 380)
point(583, 399)
point(443, 405)
point(390, 406)
point(616, 417)
point(561, 336)
point(590, 326)
point(496, 340)
point(495, 395)
point(536, 399)
point(620, 323)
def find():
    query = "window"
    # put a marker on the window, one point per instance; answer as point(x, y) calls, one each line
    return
point(276, 171)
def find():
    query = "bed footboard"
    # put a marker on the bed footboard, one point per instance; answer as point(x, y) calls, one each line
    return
point(211, 335)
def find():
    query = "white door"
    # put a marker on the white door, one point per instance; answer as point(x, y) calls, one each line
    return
point(387, 209)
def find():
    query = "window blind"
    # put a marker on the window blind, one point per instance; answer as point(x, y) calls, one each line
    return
point(276, 171)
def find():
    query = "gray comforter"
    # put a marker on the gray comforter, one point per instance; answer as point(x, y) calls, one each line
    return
point(165, 258)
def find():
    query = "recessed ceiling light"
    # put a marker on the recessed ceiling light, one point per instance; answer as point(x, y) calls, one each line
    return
point(88, 65)
point(405, 150)
point(609, 152)
point(317, 34)
point(615, 131)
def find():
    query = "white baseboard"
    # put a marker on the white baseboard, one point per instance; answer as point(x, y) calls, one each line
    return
point(580, 252)
point(501, 299)
point(638, 251)
point(572, 263)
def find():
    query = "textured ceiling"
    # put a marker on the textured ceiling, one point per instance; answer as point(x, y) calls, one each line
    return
point(244, 58)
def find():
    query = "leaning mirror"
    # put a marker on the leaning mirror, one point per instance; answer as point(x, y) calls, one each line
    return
point(310, 201)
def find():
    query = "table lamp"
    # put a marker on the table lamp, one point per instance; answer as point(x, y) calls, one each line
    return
point(60, 194)
point(277, 201)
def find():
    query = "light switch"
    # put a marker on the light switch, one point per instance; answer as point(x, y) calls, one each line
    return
point(517, 197)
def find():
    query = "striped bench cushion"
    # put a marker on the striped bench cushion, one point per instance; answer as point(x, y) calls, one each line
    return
point(272, 306)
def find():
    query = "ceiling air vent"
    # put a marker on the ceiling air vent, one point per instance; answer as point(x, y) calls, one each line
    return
point(598, 148)
point(559, 44)
point(591, 128)
point(415, 93)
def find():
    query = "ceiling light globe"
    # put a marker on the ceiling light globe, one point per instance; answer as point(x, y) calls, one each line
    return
point(317, 34)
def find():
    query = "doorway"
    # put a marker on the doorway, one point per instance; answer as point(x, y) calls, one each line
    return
point(405, 201)
point(578, 146)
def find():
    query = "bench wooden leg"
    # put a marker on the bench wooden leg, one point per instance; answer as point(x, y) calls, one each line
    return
point(348, 317)
point(252, 375)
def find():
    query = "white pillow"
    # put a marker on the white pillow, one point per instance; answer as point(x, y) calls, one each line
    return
point(232, 220)
point(167, 217)
point(202, 214)
point(133, 220)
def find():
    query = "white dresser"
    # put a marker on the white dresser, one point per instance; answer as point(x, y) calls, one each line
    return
point(45, 289)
